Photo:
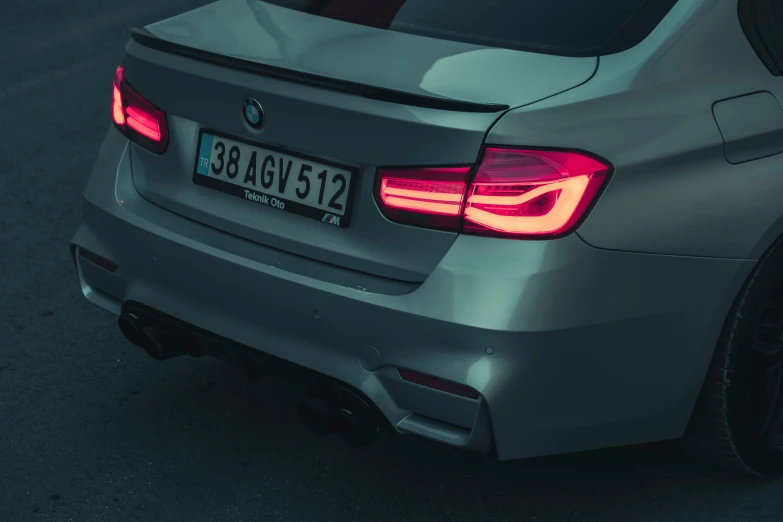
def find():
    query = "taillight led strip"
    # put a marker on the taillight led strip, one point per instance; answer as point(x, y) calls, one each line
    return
point(137, 118)
point(511, 192)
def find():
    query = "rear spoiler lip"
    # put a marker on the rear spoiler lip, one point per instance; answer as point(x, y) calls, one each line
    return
point(146, 38)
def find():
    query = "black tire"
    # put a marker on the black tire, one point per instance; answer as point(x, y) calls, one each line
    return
point(725, 428)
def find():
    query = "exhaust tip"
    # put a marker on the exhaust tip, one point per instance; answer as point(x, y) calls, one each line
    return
point(341, 413)
point(156, 342)
point(151, 347)
point(358, 429)
point(316, 416)
point(128, 324)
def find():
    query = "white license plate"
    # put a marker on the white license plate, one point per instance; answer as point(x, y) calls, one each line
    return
point(279, 180)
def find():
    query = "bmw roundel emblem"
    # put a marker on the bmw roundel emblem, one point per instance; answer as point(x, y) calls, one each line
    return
point(254, 113)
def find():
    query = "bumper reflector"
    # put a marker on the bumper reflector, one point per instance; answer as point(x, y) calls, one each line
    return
point(438, 384)
point(97, 260)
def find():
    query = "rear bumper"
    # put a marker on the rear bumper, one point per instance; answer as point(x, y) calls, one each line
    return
point(590, 348)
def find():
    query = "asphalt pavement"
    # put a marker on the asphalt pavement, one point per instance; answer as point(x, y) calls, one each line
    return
point(93, 430)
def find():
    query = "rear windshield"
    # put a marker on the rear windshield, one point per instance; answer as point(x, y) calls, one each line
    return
point(567, 27)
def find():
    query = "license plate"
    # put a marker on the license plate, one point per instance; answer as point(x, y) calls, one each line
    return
point(280, 180)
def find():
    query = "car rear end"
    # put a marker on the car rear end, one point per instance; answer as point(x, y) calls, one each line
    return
point(318, 184)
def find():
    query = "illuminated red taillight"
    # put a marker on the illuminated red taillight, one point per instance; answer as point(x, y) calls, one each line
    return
point(531, 192)
point(137, 118)
point(428, 197)
point(513, 193)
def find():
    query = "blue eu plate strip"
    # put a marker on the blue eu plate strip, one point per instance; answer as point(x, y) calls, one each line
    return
point(204, 154)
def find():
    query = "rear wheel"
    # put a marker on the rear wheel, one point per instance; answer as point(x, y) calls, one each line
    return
point(738, 421)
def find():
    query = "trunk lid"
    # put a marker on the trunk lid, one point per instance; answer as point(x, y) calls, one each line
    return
point(337, 92)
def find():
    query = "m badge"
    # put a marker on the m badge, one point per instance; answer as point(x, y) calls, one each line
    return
point(331, 219)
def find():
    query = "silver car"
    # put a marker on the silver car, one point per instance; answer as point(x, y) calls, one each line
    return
point(513, 226)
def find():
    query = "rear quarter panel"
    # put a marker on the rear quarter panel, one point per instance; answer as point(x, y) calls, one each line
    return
point(649, 111)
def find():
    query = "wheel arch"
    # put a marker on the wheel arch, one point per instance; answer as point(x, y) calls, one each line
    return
point(771, 240)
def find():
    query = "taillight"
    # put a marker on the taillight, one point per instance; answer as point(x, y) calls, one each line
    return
point(427, 197)
point(531, 192)
point(137, 118)
point(513, 193)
